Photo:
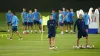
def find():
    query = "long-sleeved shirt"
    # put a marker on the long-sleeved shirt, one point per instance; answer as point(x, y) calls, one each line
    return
point(51, 25)
point(14, 21)
point(80, 25)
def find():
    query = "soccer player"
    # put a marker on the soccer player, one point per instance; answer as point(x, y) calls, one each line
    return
point(71, 20)
point(30, 21)
point(67, 20)
point(14, 23)
point(36, 16)
point(54, 15)
point(81, 30)
point(61, 21)
point(64, 13)
point(8, 19)
point(51, 31)
point(86, 19)
point(24, 20)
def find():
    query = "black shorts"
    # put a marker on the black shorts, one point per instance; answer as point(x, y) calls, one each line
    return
point(9, 23)
point(36, 22)
point(30, 23)
point(86, 26)
point(14, 28)
point(71, 23)
point(84, 34)
point(51, 34)
point(25, 23)
point(67, 23)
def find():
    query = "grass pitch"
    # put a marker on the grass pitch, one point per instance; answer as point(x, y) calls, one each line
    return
point(31, 45)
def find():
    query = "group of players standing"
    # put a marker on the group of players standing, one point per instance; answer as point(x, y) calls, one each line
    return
point(65, 17)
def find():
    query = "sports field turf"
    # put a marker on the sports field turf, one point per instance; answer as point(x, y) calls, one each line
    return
point(31, 45)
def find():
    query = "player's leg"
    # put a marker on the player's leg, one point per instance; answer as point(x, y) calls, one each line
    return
point(11, 35)
point(31, 27)
point(78, 38)
point(9, 26)
point(28, 27)
point(61, 28)
point(67, 27)
point(17, 32)
point(71, 25)
point(35, 26)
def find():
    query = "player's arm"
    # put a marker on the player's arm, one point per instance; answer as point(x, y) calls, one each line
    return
point(6, 18)
point(48, 24)
point(40, 16)
point(33, 15)
point(22, 17)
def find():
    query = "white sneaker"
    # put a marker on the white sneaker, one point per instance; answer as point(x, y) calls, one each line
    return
point(35, 31)
point(71, 31)
point(8, 30)
point(27, 30)
point(62, 32)
point(9, 38)
point(31, 31)
point(20, 38)
point(66, 31)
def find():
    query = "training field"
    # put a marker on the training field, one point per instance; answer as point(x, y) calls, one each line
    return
point(32, 45)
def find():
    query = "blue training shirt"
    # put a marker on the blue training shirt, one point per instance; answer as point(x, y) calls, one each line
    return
point(67, 17)
point(70, 16)
point(86, 18)
point(60, 17)
point(24, 14)
point(14, 21)
point(36, 16)
point(30, 17)
point(9, 17)
point(54, 14)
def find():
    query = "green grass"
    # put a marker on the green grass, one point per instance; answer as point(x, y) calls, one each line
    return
point(31, 45)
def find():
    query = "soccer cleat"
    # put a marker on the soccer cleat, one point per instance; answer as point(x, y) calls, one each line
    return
point(20, 38)
point(35, 31)
point(28, 31)
point(66, 31)
point(9, 38)
point(71, 31)
point(62, 33)
point(8, 30)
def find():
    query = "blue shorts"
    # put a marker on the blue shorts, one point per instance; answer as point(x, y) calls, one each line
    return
point(36, 22)
point(8, 23)
point(86, 26)
point(25, 23)
point(61, 24)
point(84, 34)
point(30, 23)
point(51, 34)
point(14, 28)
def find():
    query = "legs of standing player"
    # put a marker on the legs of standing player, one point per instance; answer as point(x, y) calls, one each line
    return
point(9, 24)
point(61, 28)
point(71, 24)
point(78, 41)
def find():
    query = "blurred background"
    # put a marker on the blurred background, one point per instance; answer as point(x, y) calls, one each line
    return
point(47, 5)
